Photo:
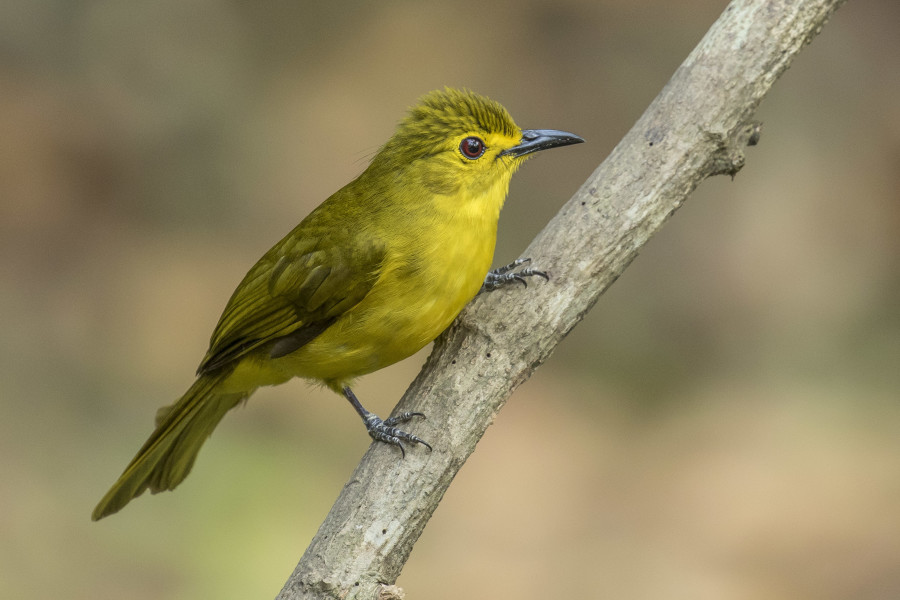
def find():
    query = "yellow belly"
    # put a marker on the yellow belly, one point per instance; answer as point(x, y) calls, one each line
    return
point(408, 307)
point(427, 279)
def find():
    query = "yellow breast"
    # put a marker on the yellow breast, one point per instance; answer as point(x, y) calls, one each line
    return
point(429, 275)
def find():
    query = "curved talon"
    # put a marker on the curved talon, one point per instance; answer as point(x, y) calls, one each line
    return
point(402, 418)
point(514, 264)
point(501, 276)
point(384, 430)
point(531, 272)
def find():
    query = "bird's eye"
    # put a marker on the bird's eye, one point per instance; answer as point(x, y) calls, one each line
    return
point(472, 147)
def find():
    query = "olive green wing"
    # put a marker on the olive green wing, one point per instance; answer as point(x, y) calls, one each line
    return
point(295, 292)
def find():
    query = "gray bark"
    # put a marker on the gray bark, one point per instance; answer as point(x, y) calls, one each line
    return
point(697, 127)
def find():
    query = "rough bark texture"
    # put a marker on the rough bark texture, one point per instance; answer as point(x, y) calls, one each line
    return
point(697, 127)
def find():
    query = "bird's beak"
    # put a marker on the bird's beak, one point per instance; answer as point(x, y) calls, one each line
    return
point(534, 140)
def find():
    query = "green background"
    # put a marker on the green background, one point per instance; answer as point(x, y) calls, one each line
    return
point(723, 425)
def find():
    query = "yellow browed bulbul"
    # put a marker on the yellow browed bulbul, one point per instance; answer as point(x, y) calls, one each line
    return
point(371, 276)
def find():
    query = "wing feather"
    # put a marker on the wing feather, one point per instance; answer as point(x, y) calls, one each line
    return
point(292, 294)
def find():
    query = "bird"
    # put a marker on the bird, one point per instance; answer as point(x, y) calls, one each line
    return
point(368, 278)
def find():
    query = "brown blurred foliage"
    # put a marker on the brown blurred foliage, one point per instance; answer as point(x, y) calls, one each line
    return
point(722, 425)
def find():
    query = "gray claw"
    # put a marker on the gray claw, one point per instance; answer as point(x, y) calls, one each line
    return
point(506, 274)
point(384, 431)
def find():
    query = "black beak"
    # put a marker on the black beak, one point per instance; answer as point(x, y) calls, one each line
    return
point(534, 140)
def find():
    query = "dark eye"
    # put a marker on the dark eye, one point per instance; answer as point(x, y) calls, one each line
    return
point(472, 147)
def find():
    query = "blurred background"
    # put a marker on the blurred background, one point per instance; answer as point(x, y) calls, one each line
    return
point(723, 425)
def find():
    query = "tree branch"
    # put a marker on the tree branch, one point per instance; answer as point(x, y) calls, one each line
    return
point(697, 127)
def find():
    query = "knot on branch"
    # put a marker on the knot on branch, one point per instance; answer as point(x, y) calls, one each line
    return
point(391, 592)
point(728, 157)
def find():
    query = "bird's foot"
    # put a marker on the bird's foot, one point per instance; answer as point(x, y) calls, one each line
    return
point(497, 278)
point(385, 430)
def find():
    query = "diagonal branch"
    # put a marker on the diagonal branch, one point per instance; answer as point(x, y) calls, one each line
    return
point(697, 127)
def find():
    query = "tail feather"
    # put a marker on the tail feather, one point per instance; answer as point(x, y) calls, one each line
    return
point(167, 456)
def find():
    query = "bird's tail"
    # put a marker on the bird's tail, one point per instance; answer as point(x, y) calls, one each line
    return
point(168, 455)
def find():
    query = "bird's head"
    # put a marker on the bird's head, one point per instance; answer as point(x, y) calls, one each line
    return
point(456, 141)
